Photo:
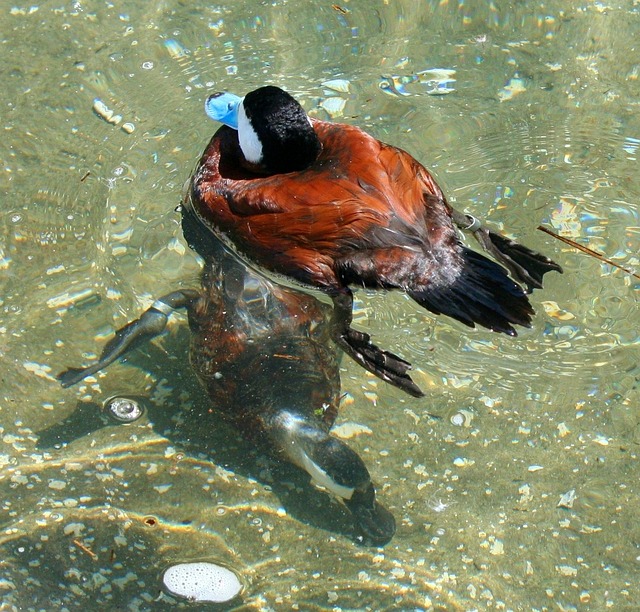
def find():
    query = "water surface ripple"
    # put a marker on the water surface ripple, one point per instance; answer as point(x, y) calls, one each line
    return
point(514, 481)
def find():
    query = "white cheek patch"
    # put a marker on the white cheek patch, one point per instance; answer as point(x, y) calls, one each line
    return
point(290, 426)
point(322, 479)
point(249, 141)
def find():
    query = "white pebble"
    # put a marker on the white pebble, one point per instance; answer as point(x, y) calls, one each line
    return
point(104, 112)
point(202, 582)
point(462, 418)
point(567, 499)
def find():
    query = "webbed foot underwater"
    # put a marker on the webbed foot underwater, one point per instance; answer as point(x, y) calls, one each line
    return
point(330, 207)
point(265, 357)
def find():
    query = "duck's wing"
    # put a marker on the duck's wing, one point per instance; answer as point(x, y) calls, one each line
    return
point(420, 252)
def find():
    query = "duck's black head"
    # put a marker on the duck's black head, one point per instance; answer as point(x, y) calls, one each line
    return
point(274, 131)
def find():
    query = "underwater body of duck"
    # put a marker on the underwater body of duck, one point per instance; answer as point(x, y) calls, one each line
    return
point(330, 207)
point(265, 356)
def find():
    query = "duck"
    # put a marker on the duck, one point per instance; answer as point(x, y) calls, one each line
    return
point(329, 207)
point(264, 356)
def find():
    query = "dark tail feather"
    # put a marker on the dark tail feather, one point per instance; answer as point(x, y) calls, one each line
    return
point(482, 294)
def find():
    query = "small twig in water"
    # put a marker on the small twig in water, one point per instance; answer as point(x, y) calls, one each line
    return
point(587, 250)
point(85, 549)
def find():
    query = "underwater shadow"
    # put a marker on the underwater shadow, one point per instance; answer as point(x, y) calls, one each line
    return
point(200, 430)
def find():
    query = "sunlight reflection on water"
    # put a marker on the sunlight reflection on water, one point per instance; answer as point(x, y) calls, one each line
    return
point(542, 128)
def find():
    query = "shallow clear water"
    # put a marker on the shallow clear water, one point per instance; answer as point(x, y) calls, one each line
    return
point(532, 118)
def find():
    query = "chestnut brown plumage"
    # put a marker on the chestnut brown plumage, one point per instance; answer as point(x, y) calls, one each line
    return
point(363, 213)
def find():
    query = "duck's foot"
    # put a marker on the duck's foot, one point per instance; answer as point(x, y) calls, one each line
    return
point(385, 365)
point(148, 326)
point(375, 523)
point(358, 346)
point(526, 266)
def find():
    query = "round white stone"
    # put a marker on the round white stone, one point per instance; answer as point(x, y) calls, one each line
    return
point(202, 582)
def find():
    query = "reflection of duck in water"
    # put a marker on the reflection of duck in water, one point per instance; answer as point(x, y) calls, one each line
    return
point(331, 207)
point(265, 356)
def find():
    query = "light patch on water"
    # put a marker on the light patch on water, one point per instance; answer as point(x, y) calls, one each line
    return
point(74, 529)
point(39, 369)
point(126, 579)
point(76, 298)
point(15, 10)
point(567, 499)
point(339, 85)
point(104, 112)
point(19, 478)
point(602, 440)
point(225, 475)
point(552, 309)
point(151, 469)
point(162, 392)
point(169, 452)
point(58, 485)
point(463, 462)
point(348, 430)
point(515, 86)
point(334, 106)
point(176, 49)
point(462, 418)
point(434, 81)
